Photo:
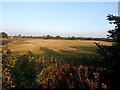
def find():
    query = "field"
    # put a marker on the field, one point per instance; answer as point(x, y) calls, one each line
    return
point(53, 63)
point(38, 45)
point(82, 51)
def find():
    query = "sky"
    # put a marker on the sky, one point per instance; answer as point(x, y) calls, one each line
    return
point(83, 19)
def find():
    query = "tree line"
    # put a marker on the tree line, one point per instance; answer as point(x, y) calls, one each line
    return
point(5, 35)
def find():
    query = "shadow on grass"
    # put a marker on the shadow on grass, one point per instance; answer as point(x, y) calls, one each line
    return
point(76, 57)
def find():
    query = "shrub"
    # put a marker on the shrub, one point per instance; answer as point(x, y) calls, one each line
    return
point(30, 71)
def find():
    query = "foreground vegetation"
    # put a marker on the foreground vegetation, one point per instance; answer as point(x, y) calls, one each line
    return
point(31, 71)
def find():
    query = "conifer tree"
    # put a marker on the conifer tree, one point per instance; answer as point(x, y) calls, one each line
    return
point(112, 53)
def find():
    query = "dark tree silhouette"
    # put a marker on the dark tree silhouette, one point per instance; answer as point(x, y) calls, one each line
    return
point(3, 35)
point(112, 53)
point(58, 37)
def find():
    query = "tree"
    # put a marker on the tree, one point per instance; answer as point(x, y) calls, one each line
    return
point(58, 37)
point(48, 37)
point(3, 35)
point(112, 53)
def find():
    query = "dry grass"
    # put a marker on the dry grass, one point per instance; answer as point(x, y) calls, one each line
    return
point(56, 45)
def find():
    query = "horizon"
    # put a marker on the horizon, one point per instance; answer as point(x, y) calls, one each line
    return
point(79, 19)
point(51, 36)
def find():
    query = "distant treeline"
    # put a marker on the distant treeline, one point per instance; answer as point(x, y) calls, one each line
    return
point(5, 35)
point(62, 38)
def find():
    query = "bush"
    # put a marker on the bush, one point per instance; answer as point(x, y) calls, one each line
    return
point(32, 71)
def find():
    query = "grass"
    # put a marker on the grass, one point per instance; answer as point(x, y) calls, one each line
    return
point(76, 51)
point(51, 58)
point(55, 45)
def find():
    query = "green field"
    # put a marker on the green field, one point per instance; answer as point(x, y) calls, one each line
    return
point(75, 51)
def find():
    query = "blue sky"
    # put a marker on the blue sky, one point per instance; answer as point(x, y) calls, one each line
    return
point(84, 19)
